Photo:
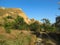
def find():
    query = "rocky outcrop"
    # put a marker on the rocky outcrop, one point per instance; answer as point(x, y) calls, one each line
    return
point(13, 12)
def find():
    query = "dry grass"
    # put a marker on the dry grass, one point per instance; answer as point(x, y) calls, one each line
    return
point(16, 37)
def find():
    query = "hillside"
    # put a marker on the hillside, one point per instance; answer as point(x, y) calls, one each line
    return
point(13, 12)
point(17, 29)
point(16, 36)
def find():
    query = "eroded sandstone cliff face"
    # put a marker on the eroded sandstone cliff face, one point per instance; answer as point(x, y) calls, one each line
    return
point(4, 12)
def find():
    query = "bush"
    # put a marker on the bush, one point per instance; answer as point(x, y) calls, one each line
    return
point(9, 17)
point(7, 26)
point(20, 24)
point(35, 27)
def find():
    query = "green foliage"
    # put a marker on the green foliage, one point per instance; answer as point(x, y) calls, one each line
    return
point(46, 21)
point(9, 17)
point(7, 26)
point(20, 24)
point(35, 26)
point(47, 26)
point(53, 28)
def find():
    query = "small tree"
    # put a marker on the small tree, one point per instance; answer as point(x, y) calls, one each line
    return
point(35, 27)
point(47, 26)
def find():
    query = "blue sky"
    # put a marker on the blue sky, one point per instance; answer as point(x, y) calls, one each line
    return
point(37, 9)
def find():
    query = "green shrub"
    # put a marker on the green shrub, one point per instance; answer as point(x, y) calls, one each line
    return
point(7, 25)
point(20, 24)
point(35, 27)
point(9, 17)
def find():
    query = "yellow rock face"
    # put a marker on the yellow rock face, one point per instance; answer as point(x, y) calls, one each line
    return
point(13, 12)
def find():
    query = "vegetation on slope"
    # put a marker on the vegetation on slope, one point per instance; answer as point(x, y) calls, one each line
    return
point(20, 24)
point(19, 39)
